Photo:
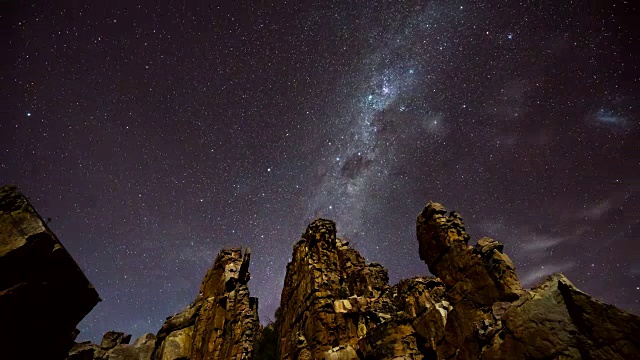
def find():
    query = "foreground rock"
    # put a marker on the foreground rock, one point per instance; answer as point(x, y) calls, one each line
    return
point(222, 323)
point(43, 292)
point(336, 306)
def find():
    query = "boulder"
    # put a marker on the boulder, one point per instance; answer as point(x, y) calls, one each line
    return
point(113, 338)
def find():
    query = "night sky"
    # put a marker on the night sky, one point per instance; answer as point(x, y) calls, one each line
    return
point(154, 135)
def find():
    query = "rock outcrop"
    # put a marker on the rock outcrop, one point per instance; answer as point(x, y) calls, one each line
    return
point(490, 316)
point(115, 346)
point(43, 292)
point(336, 306)
point(222, 322)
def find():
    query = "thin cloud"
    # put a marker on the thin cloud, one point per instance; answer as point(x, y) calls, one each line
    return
point(531, 277)
point(539, 242)
point(597, 211)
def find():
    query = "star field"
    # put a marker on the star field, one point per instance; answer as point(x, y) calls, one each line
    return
point(155, 135)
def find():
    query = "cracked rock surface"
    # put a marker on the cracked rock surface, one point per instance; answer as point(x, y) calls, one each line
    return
point(490, 315)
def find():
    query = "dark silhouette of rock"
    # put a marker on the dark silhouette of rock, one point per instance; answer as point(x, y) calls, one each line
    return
point(266, 346)
point(43, 292)
point(222, 323)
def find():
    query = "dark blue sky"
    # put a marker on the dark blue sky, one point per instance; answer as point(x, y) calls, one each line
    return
point(155, 135)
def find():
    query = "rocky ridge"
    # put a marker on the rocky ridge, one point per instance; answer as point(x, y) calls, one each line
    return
point(221, 323)
point(334, 305)
point(491, 317)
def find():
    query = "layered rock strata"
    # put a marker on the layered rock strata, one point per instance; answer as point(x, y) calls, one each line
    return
point(222, 322)
point(43, 292)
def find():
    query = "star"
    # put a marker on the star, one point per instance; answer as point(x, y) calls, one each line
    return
point(398, 107)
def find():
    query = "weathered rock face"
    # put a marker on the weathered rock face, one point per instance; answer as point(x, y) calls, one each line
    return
point(222, 323)
point(310, 320)
point(43, 292)
point(475, 279)
point(336, 306)
point(141, 349)
point(490, 316)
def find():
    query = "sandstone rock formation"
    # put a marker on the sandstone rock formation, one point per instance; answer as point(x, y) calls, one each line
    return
point(490, 316)
point(222, 322)
point(43, 292)
point(336, 306)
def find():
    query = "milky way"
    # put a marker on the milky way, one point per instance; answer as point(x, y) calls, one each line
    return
point(153, 137)
point(378, 116)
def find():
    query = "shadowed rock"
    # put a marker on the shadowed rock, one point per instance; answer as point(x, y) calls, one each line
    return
point(115, 346)
point(43, 292)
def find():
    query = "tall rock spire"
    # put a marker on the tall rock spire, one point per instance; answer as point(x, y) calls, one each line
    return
point(483, 274)
point(222, 322)
point(333, 300)
point(491, 317)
